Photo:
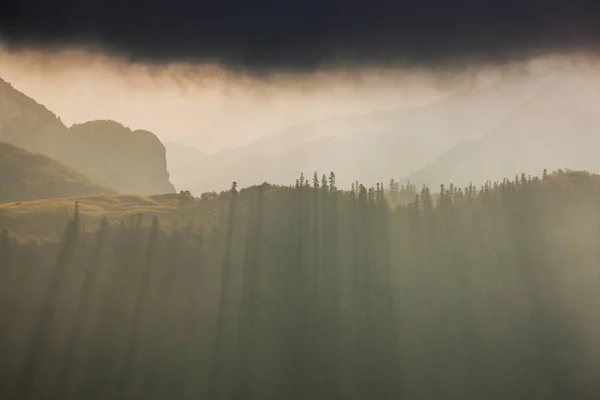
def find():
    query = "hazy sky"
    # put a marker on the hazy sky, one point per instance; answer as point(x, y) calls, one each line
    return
point(218, 74)
point(213, 108)
point(201, 105)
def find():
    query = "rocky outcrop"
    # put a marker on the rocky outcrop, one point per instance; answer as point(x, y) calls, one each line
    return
point(130, 161)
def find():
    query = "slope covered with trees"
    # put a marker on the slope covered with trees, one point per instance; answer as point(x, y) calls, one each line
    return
point(28, 176)
point(313, 292)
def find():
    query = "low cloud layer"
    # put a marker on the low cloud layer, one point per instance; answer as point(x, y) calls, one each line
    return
point(306, 35)
point(206, 106)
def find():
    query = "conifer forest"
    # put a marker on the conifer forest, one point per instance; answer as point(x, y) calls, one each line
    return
point(311, 291)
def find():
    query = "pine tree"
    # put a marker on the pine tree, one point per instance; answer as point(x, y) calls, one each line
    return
point(217, 385)
point(26, 387)
point(140, 311)
point(81, 325)
point(332, 186)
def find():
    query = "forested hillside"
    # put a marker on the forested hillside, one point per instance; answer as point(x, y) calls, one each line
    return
point(28, 176)
point(314, 292)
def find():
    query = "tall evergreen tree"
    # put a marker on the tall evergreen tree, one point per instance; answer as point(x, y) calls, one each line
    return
point(27, 386)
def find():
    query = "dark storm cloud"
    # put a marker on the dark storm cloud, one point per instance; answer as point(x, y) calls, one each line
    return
point(300, 35)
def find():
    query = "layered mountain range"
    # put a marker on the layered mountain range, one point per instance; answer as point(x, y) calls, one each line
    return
point(106, 152)
point(511, 126)
point(556, 128)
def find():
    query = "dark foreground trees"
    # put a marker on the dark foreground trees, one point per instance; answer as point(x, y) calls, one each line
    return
point(312, 292)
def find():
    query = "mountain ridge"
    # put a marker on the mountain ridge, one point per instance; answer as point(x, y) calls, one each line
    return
point(28, 124)
point(363, 146)
point(539, 135)
point(26, 176)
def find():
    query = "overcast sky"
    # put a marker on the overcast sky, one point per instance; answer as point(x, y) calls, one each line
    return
point(202, 106)
point(218, 74)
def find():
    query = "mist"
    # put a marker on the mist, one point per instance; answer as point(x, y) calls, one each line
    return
point(236, 201)
point(306, 292)
point(213, 108)
point(252, 124)
point(201, 105)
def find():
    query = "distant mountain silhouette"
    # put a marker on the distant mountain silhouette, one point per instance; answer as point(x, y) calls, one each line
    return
point(368, 147)
point(513, 126)
point(28, 176)
point(106, 151)
point(557, 128)
point(131, 161)
point(179, 158)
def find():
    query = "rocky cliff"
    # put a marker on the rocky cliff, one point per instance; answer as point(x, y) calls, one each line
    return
point(130, 161)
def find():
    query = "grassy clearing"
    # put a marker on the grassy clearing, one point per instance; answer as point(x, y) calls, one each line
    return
point(47, 217)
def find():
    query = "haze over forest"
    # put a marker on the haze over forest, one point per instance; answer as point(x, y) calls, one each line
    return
point(284, 124)
point(235, 201)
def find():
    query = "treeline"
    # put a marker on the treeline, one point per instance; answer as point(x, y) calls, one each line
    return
point(312, 292)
